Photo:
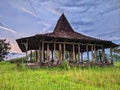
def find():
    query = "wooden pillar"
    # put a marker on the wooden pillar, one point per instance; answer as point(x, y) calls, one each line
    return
point(92, 54)
point(79, 60)
point(54, 51)
point(95, 53)
point(60, 53)
point(103, 54)
point(31, 55)
point(111, 55)
point(82, 57)
point(87, 53)
point(38, 54)
point(64, 50)
point(26, 46)
point(48, 53)
point(73, 52)
point(42, 51)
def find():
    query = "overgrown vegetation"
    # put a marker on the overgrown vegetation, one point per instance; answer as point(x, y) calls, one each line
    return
point(58, 78)
point(4, 48)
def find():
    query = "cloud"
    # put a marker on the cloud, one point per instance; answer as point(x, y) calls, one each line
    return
point(8, 29)
point(28, 11)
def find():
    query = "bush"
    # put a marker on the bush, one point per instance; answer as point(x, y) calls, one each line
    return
point(18, 60)
point(64, 65)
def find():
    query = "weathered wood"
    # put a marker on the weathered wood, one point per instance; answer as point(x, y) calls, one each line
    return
point(64, 50)
point(38, 55)
point(82, 57)
point(111, 55)
point(73, 52)
point(87, 52)
point(79, 60)
point(54, 51)
point(48, 53)
point(103, 54)
point(71, 43)
point(60, 53)
point(92, 53)
point(95, 53)
point(42, 51)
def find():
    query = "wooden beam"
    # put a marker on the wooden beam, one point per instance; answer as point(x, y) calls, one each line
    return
point(73, 43)
point(38, 54)
point(103, 54)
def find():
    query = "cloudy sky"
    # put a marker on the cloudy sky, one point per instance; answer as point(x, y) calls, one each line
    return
point(97, 18)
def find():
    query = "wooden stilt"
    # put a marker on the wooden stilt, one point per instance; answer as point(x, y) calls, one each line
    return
point(103, 54)
point(38, 54)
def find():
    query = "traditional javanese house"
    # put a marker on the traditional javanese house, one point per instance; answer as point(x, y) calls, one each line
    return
point(65, 44)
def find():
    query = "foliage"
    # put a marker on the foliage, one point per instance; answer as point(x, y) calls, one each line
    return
point(64, 65)
point(4, 48)
point(95, 78)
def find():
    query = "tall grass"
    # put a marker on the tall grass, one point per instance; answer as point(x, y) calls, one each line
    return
point(90, 78)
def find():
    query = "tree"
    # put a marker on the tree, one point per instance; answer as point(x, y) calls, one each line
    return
point(4, 48)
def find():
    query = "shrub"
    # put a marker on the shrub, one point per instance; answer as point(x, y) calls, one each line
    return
point(64, 65)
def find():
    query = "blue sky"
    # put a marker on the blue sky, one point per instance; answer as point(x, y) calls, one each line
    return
point(97, 18)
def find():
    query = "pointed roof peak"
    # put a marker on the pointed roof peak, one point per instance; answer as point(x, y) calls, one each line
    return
point(63, 25)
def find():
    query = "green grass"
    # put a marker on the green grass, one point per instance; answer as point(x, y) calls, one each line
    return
point(90, 78)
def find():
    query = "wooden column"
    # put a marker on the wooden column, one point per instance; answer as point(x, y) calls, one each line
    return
point(92, 54)
point(31, 55)
point(73, 52)
point(38, 54)
point(95, 53)
point(26, 46)
point(82, 57)
point(42, 51)
point(48, 53)
point(60, 53)
point(64, 50)
point(87, 53)
point(79, 60)
point(54, 51)
point(111, 55)
point(103, 54)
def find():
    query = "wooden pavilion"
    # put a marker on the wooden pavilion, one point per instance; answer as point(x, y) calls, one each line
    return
point(65, 44)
